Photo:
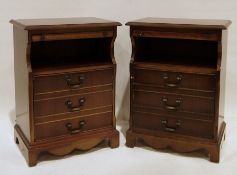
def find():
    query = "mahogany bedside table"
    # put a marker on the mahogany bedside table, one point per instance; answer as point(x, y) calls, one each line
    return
point(65, 85)
point(178, 70)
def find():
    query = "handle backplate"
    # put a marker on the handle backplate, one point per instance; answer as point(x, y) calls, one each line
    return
point(75, 84)
point(170, 129)
point(72, 108)
point(169, 84)
point(75, 130)
point(167, 106)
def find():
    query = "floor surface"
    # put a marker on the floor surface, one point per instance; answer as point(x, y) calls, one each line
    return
point(103, 160)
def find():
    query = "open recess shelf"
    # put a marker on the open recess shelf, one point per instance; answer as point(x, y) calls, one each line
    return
point(70, 53)
point(171, 51)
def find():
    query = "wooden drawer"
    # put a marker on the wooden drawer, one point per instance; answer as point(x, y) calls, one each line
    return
point(153, 122)
point(173, 90)
point(162, 112)
point(175, 80)
point(176, 35)
point(72, 81)
point(73, 126)
point(82, 112)
point(69, 36)
point(42, 96)
point(72, 103)
point(174, 102)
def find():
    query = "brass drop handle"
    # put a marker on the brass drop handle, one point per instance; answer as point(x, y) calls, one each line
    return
point(140, 34)
point(170, 129)
point(165, 100)
point(72, 108)
point(75, 130)
point(172, 85)
point(74, 85)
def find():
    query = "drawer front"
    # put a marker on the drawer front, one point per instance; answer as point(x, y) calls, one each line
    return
point(177, 35)
point(174, 102)
point(72, 81)
point(68, 36)
point(170, 113)
point(73, 103)
point(175, 80)
point(72, 92)
point(62, 116)
point(154, 123)
point(73, 126)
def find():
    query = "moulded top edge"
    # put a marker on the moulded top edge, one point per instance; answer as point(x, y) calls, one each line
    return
point(181, 23)
point(53, 23)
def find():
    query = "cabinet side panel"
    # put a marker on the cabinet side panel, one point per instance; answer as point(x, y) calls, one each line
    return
point(114, 74)
point(21, 81)
point(114, 90)
point(222, 79)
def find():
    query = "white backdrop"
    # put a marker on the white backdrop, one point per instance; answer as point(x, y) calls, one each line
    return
point(122, 11)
